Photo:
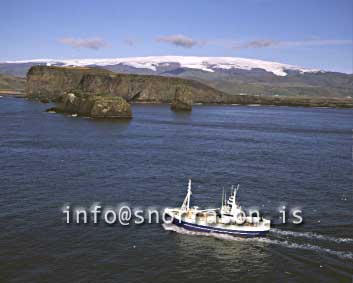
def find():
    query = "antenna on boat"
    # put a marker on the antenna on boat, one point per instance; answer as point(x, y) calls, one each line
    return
point(225, 197)
point(236, 191)
point(222, 196)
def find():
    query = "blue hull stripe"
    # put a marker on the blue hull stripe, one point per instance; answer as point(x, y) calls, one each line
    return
point(208, 229)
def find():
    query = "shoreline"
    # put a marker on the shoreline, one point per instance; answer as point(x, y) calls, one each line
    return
point(342, 103)
point(311, 104)
point(13, 93)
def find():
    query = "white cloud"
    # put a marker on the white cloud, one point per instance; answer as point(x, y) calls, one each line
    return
point(179, 40)
point(91, 43)
point(264, 43)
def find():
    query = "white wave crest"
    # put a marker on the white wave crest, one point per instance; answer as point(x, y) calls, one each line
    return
point(286, 244)
point(311, 235)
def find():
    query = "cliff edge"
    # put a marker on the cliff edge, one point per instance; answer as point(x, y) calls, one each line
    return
point(48, 82)
point(52, 83)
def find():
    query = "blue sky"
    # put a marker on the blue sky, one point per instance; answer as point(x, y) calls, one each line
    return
point(316, 34)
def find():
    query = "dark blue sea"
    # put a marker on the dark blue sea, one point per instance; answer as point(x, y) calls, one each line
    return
point(300, 158)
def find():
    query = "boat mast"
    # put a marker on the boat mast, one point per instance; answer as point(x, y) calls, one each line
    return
point(186, 202)
point(234, 196)
point(236, 191)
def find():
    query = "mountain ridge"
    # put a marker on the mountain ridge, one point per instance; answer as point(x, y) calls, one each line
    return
point(192, 62)
point(232, 75)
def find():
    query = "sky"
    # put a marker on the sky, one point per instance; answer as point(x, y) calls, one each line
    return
point(311, 33)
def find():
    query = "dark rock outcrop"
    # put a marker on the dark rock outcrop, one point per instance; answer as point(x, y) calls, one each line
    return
point(94, 106)
point(110, 107)
point(182, 100)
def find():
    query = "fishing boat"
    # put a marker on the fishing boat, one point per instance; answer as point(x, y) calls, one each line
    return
point(229, 219)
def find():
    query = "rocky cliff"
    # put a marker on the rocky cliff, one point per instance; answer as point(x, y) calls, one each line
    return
point(45, 82)
point(93, 105)
point(49, 82)
point(182, 100)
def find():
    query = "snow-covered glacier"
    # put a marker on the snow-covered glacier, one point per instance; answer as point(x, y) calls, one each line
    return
point(208, 64)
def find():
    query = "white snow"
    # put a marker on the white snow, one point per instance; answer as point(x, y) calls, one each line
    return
point(208, 64)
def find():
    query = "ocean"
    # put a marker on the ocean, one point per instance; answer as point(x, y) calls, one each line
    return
point(292, 157)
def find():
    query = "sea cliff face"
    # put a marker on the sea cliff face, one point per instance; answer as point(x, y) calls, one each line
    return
point(182, 100)
point(46, 82)
point(52, 83)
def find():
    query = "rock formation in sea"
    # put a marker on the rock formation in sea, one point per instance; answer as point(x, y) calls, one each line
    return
point(182, 100)
point(94, 106)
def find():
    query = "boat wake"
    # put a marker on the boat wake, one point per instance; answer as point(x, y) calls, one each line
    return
point(283, 243)
point(311, 235)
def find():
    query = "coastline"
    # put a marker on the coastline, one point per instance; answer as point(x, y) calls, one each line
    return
point(289, 101)
point(14, 93)
point(320, 102)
